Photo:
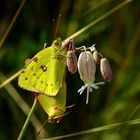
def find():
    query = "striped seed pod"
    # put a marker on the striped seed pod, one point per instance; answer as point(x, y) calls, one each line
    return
point(106, 70)
point(72, 61)
point(97, 57)
point(86, 67)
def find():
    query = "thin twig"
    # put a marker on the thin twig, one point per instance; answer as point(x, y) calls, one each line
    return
point(97, 129)
point(11, 78)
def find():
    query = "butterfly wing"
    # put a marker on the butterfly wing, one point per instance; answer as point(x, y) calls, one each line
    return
point(32, 70)
point(54, 106)
point(44, 73)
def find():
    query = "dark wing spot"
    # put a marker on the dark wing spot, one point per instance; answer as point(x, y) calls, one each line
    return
point(46, 84)
point(34, 74)
point(32, 68)
point(41, 82)
point(51, 84)
point(23, 71)
point(43, 67)
point(35, 59)
point(26, 78)
point(55, 57)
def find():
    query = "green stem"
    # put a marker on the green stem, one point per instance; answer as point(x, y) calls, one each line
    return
point(27, 120)
point(97, 129)
point(10, 79)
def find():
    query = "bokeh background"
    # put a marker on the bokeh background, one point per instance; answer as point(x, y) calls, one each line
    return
point(117, 37)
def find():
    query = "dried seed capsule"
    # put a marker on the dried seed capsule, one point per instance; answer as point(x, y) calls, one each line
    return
point(87, 69)
point(106, 70)
point(72, 61)
point(97, 57)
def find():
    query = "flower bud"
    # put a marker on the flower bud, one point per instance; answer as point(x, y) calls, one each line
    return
point(86, 67)
point(97, 57)
point(106, 70)
point(71, 61)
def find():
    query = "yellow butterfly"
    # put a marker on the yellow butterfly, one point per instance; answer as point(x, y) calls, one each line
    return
point(54, 106)
point(44, 73)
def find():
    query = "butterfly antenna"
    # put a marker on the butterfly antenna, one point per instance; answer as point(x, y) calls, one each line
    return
point(70, 106)
point(57, 25)
point(38, 132)
point(59, 118)
point(53, 26)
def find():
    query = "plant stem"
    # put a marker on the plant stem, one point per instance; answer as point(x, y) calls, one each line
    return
point(27, 120)
point(10, 79)
point(97, 129)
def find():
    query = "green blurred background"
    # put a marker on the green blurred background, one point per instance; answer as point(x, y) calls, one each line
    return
point(117, 37)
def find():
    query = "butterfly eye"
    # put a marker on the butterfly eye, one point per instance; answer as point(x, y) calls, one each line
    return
point(57, 42)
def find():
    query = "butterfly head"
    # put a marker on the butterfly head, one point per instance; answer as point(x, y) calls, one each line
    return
point(57, 42)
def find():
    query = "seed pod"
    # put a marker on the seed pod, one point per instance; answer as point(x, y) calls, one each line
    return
point(86, 67)
point(72, 61)
point(106, 70)
point(97, 57)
